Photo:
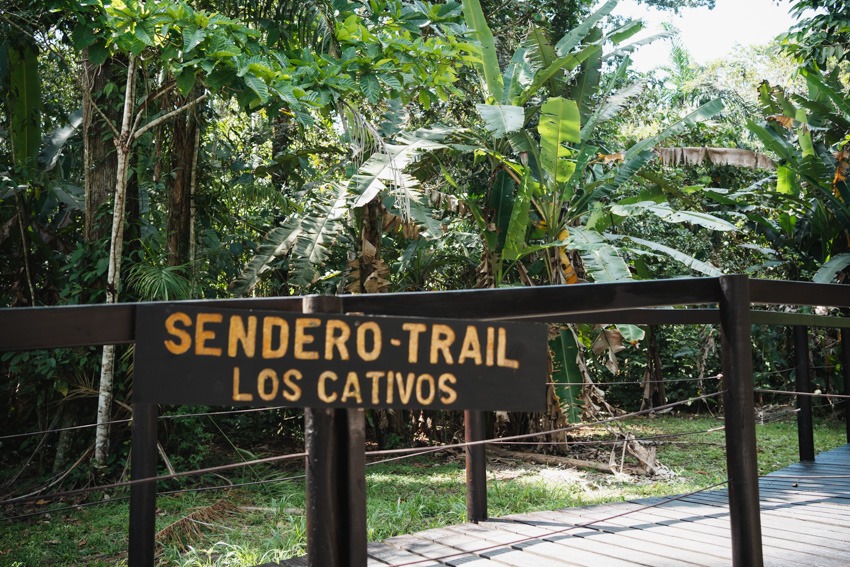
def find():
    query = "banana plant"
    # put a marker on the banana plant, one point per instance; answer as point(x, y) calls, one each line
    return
point(550, 178)
point(809, 134)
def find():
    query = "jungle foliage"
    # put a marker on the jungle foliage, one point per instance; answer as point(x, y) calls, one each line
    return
point(169, 150)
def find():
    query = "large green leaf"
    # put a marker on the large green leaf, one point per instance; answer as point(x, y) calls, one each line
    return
point(832, 93)
point(774, 142)
point(610, 107)
point(629, 48)
point(489, 65)
point(565, 63)
point(502, 202)
point(319, 230)
point(827, 272)
point(24, 105)
point(515, 241)
point(668, 214)
point(577, 34)
point(587, 83)
point(559, 124)
point(517, 75)
point(539, 52)
point(386, 168)
point(686, 259)
point(566, 375)
point(601, 260)
point(501, 119)
point(277, 243)
point(53, 146)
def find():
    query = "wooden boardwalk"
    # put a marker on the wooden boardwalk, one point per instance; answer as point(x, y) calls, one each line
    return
point(805, 522)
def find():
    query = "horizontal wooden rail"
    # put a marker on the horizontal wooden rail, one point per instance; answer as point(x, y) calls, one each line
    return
point(81, 325)
point(634, 302)
point(799, 293)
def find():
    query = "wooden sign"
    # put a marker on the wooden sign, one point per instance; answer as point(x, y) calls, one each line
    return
point(199, 355)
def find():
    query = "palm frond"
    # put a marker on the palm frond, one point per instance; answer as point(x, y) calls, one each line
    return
point(277, 243)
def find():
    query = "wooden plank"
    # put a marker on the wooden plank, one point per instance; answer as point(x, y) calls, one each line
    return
point(390, 555)
point(562, 548)
point(806, 513)
point(459, 541)
point(692, 527)
point(803, 523)
point(591, 539)
point(782, 535)
point(769, 522)
point(669, 547)
point(646, 529)
point(424, 547)
point(503, 546)
point(574, 551)
point(776, 543)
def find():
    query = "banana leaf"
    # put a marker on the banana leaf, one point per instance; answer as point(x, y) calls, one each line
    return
point(566, 375)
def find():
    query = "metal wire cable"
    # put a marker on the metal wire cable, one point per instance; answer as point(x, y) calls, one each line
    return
point(419, 453)
point(199, 489)
point(60, 429)
point(638, 382)
point(806, 477)
point(386, 452)
point(162, 417)
point(649, 439)
point(182, 474)
point(812, 394)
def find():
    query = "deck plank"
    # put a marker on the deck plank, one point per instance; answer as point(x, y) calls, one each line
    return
point(805, 517)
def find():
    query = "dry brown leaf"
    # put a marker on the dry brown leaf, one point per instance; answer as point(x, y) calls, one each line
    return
point(610, 158)
point(782, 120)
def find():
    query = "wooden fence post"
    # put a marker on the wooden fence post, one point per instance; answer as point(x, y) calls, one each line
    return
point(336, 476)
point(802, 383)
point(476, 467)
point(845, 370)
point(740, 421)
point(143, 458)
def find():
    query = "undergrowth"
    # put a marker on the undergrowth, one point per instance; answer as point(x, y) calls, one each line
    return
point(257, 524)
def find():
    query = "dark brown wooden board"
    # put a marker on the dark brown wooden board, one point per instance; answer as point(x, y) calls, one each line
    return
point(213, 356)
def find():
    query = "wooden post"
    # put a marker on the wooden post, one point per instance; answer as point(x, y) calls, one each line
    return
point(336, 476)
point(802, 383)
point(845, 370)
point(476, 467)
point(740, 422)
point(143, 496)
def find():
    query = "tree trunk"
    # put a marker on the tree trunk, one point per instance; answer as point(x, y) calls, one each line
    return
point(63, 446)
point(113, 278)
point(653, 380)
point(284, 135)
point(99, 161)
point(179, 217)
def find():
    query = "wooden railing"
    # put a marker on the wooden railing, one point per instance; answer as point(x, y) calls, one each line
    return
point(726, 301)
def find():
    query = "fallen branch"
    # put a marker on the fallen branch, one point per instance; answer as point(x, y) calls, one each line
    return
point(548, 459)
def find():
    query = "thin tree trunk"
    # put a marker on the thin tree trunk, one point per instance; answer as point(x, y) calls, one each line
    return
point(178, 223)
point(65, 436)
point(192, 189)
point(98, 151)
point(653, 384)
point(113, 278)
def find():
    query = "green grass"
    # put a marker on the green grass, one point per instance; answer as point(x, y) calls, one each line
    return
point(263, 524)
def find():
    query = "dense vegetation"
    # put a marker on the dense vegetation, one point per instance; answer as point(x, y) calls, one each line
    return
point(167, 150)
